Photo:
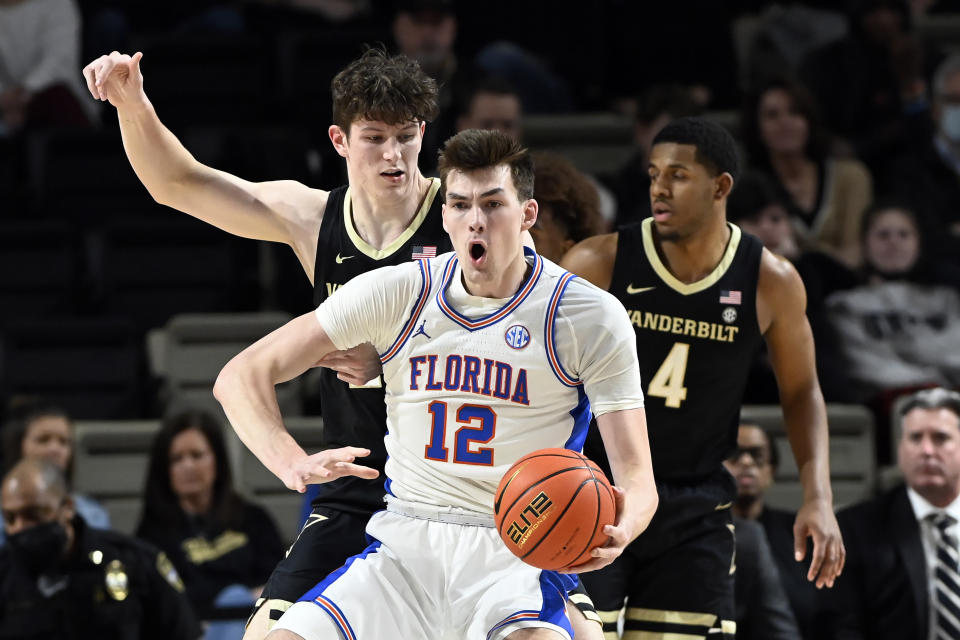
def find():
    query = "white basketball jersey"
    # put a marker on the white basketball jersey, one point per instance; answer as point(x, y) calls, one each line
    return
point(468, 396)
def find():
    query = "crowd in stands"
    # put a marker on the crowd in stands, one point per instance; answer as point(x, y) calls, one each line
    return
point(848, 115)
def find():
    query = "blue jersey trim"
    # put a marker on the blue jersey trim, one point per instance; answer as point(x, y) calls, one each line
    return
point(401, 340)
point(581, 422)
point(499, 314)
point(549, 332)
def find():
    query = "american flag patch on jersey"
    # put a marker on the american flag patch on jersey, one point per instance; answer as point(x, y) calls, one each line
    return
point(730, 297)
point(419, 253)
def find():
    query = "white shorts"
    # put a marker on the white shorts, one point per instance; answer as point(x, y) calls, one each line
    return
point(431, 572)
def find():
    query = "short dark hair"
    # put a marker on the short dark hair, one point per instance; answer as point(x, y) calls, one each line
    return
point(569, 194)
point(774, 452)
point(883, 204)
point(390, 89)
point(493, 85)
point(161, 507)
point(805, 103)
point(19, 419)
point(716, 148)
point(753, 193)
point(936, 398)
point(474, 149)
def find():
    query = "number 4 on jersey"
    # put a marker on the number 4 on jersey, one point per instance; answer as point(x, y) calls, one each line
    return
point(667, 382)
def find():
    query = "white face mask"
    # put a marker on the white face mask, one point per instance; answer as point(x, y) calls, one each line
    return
point(950, 122)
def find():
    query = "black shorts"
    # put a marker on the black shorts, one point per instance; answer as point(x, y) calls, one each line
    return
point(677, 577)
point(328, 538)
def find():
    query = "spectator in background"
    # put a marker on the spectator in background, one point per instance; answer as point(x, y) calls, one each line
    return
point(895, 581)
point(899, 328)
point(223, 546)
point(425, 31)
point(61, 579)
point(39, 59)
point(492, 104)
point(655, 107)
point(38, 430)
point(756, 208)
point(871, 84)
point(929, 177)
point(762, 609)
point(824, 195)
point(753, 464)
point(569, 206)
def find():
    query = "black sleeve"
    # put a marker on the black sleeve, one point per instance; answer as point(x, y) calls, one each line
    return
point(167, 614)
point(763, 610)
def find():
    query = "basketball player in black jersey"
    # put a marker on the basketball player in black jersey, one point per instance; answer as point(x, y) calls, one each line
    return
point(387, 214)
point(701, 295)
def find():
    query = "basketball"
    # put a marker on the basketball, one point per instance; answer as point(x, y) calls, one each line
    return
point(551, 507)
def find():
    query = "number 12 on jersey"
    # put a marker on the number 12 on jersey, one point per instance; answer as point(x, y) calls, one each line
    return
point(667, 382)
point(467, 434)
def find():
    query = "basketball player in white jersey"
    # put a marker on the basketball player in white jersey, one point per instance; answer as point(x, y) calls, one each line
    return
point(488, 354)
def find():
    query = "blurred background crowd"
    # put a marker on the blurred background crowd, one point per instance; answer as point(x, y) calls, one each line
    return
point(847, 111)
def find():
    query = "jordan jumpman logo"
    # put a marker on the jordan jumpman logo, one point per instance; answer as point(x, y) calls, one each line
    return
point(420, 331)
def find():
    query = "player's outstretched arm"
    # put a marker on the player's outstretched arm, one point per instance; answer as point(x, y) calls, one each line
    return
point(281, 211)
point(628, 450)
point(245, 389)
point(592, 259)
point(781, 307)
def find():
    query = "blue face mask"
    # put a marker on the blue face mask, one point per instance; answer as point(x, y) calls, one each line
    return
point(950, 122)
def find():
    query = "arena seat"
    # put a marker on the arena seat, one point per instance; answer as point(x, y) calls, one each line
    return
point(596, 143)
point(92, 366)
point(150, 269)
point(197, 346)
point(39, 263)
point(84, 175)
point(852, 469)
point(110, 465)
point(256, 482)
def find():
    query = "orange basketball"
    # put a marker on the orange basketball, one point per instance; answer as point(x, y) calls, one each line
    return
point(551, 507)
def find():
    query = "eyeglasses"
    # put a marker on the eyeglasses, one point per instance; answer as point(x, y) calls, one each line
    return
point(758, 454)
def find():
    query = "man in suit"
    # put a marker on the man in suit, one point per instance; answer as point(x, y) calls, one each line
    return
point(753, 465)
point(901, 579)
point(762, 609)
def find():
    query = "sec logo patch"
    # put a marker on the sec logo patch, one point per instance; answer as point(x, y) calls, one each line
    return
point(517, 336)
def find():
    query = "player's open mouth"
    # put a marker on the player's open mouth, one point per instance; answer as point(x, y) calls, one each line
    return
point(477, 251)
point(394, 174)
point(660, 210)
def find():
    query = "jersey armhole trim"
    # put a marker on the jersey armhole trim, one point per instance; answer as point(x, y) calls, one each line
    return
point(551, 335)
point(425, 282)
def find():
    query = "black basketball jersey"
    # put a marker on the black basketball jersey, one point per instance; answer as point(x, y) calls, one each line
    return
point(695, 344)
point(354, 416)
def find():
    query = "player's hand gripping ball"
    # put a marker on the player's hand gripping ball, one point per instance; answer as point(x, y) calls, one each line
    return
point(551, 508)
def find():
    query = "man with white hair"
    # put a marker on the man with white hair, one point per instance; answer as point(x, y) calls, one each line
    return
point(901, 579)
